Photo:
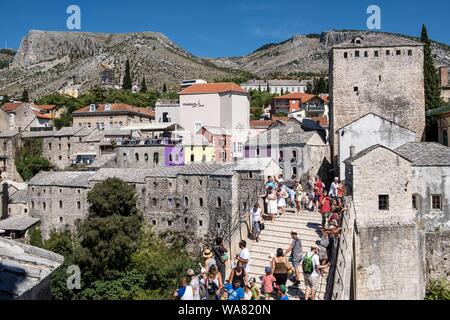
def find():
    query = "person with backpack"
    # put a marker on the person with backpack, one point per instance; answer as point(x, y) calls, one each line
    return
point(213, 283)
point(220, 256)
point(311, 267)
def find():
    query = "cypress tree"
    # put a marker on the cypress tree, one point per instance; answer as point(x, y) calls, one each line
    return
point(432, 87)
point(127, 82)
point(143, 86)
point(25, 97)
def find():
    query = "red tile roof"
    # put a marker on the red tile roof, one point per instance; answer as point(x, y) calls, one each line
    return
point(304, 97)
point(46, 116)
point(48, 107)
point(11, 106)
point(274, 118)
point(119, 107)
point(257, 124)
point(213, 88)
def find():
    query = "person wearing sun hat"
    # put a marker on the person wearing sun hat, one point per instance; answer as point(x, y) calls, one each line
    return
point(209, 259)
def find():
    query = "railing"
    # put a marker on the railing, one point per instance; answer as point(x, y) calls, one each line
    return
point(148, 142)
point(340, 256)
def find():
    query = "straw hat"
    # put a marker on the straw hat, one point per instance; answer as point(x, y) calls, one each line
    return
point(207, 254)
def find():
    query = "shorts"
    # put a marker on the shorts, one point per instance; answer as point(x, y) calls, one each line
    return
point(316, 197)
point(311, 281)
point(296, 262)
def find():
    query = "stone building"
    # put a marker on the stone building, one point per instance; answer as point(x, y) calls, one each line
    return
point(10, 143)
point(58, 199)
point(445, 85)
point(205, 199)
point(28, 116)
point(305, 104)
point(380, 182)
point(167, 111)
point(300, 153)
point(367, 131)
point(430, 183)
point(374, 75)
point(108, 116)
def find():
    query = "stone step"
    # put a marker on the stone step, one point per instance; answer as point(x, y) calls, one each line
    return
point(287, 235)
point(285, 241)
point(299, 219)
point(264, 254)
point(287, 228)
point(273, 246)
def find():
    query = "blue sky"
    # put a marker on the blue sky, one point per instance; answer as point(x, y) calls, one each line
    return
point(227, 27)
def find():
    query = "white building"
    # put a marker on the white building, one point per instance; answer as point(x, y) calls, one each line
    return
point(187, 83)
point(167, 111)
point(277, 86)
point(368, 131)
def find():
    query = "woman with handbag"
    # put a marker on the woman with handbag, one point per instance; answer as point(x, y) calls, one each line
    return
point(256, 222)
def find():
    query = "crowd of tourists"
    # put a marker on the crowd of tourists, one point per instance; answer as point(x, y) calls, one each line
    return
point(287, 263)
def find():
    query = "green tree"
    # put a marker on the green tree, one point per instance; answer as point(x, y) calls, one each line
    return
point(143, 86)
point(432, 87)
point(25, 97)
point(127, 81)
point(110, 234)
point(30, 160)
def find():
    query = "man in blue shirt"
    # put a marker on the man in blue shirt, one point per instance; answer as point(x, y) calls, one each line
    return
point(235, 291)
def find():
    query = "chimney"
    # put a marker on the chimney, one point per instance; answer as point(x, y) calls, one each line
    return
point(352, 151)
point(443, 76)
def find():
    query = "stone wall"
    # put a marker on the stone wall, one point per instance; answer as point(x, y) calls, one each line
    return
point(140, 156)
point(389, 263)
point(58, 208)
point(437, 246)
point(391, 86)
point(8, 151)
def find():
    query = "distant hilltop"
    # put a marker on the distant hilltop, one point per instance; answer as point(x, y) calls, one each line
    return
point(50, 61)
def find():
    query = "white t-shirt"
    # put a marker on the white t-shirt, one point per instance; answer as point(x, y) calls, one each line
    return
point(256, 214)
point(333, 189)
point(245, 254)
point(315, 261)
point(188, 294)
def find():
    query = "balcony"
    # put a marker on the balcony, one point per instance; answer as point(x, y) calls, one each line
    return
point(148, 142)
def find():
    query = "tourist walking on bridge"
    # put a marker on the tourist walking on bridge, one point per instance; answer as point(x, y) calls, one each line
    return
point(220, 256)
point(271, 200)
point(256, 221)
point(298, 197)
point(311, 268)
point(280, 267)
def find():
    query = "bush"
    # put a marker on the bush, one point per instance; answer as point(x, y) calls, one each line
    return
point(438, 290)
point(30, 160)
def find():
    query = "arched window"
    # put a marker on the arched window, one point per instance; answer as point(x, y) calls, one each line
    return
point(294, 154)
point(294, 172)
point(32, 204)
point(156, 158)
point(281, 156)
point(170, 157)
point(124, 157)
point(136, 157)
point(204, 158)
point(146, 157)
point(154, 202)
point(219, 202)
point(60, 204)
point(186, 201)
point(192, 158)
point(200, 202)
point(44, 205)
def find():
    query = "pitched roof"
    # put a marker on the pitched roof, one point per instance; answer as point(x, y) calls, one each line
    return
point(426, 154)
point(18, 223)
point(372, 114)
point(213, 88)
point(20, 196)
point(11, 106)
point(24, 267)
point(439, 111)
point(37, 134)
point(253, 164)
point(9, 133)
point(72, 179)
point(118, 107)
point(260, 124)
point(370, 149)
point(47, 107)
point(67, 131)
point(304, 97)
point(282, 135)
point(45, 116)
point(217, 131)
point(276, 82)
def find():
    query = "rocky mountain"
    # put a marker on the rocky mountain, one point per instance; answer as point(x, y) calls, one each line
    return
point(49, 61)
point(307, 54)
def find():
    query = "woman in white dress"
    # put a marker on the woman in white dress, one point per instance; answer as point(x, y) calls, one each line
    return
point(281, 200)
point(271, 199)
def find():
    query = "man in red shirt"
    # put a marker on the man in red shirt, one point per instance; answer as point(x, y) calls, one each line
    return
point(318, 189)
point(325, 206)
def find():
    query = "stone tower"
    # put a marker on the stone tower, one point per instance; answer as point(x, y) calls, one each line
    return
point(376, 74)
